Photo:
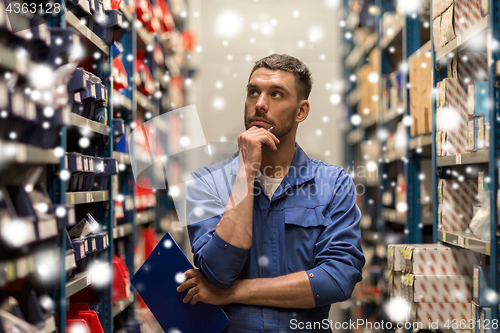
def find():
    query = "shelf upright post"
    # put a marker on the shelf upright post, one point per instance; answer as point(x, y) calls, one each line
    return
point(129, 51)
point(379, 126)
point(347, 45)
point(493, 33)
point(104, 71)
point(58, 195)
point(436, 77)
point(413, 228)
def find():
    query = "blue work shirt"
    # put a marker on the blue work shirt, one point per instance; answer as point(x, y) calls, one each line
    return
point(311, 224)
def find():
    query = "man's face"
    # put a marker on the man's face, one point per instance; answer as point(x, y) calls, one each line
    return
point(271, 101)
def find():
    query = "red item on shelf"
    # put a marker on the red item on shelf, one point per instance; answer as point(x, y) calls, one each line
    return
point(189, 40)
point(121, 280)
point(162, 12)
point(143, 78)
point(115, 4)
point(158, 56)
point(81, 311)
point(150, 241)
point(77, 325)
point(143, 13)
point(120, 77)
point(154, 24)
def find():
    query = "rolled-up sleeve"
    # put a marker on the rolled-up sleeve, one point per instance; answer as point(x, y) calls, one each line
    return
point(219, 262)
point(339, 258)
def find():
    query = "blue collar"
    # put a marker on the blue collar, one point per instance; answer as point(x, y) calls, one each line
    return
point(301, 169)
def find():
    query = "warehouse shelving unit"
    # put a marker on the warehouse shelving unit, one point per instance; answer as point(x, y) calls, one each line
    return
point(120, 238)
point(423, 147)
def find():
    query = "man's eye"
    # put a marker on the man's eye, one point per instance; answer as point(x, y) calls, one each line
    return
point(276, 94)
point(252, 92)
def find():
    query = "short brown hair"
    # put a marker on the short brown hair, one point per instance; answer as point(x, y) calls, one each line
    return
point(284, 62)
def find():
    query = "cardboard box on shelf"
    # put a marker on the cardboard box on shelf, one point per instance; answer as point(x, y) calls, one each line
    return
point(472, 68)
point(472, 134)
point(437, 259)
point(447, 28)
point(466, 14)
point(420, 78)
point(439, 42)
point(481, 285)
point(439, 313)
point(440, 289)
point(458, 202)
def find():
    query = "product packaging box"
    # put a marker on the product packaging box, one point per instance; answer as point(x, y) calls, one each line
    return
point(480, 285)
point(485, 319)
point(436, 259)
point(466, 14)
point(431, 314)
point(440, 288)
point(458, 202)
point(472, 134)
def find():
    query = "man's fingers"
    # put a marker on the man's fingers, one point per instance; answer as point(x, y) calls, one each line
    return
point(186, 285)
point(190, 294)
point(190, 273)
point(194, 300)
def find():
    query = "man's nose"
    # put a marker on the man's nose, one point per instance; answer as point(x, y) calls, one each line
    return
point(262, 103)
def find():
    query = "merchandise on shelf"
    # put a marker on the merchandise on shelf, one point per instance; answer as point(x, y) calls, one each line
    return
point(420, 78)
point(451, 118)
point(481, 285)
point(457, 205)
point(436, 315)
point(466, 14)
point(368, 85)
point(439, 288)
point(121, 280)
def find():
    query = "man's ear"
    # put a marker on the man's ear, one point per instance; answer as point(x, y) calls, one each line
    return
point(303, 111)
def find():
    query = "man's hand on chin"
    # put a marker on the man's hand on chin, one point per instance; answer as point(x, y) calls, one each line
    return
point(201, 290)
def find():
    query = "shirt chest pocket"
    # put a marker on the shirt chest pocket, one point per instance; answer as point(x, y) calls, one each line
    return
point(303, 226)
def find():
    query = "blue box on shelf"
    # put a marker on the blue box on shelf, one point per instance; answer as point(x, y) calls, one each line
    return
point(106, 30)
point(110, 168)
point(121, 144)
point(49, 137)
point(74, 164)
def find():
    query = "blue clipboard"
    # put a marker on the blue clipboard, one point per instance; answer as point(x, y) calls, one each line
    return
point(156, 282)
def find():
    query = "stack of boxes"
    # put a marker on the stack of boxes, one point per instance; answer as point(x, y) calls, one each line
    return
point(435, 279)
point(451, 118)
point(459, 202)
point(479, 119)
point(456, 204)
point(481, 305)
point(420, 77)
point(369, 85)
point(451, 18)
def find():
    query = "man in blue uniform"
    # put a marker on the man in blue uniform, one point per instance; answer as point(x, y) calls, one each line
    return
point(285, 243)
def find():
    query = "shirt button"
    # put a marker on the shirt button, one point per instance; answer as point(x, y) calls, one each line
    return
point(317, 296)
point(225, 246)
point(311, 274)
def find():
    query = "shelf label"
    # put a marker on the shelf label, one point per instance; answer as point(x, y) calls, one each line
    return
point(444, 236)
point(458, 159)
point(94, 246)
point(89, 34)
point(22, 64)
point(466, 245)
point(87, 123)
point(22, 268)
point(459, 40)
point(72, 198)
point(122, 232)
point(82, 251)
point(461, 241)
